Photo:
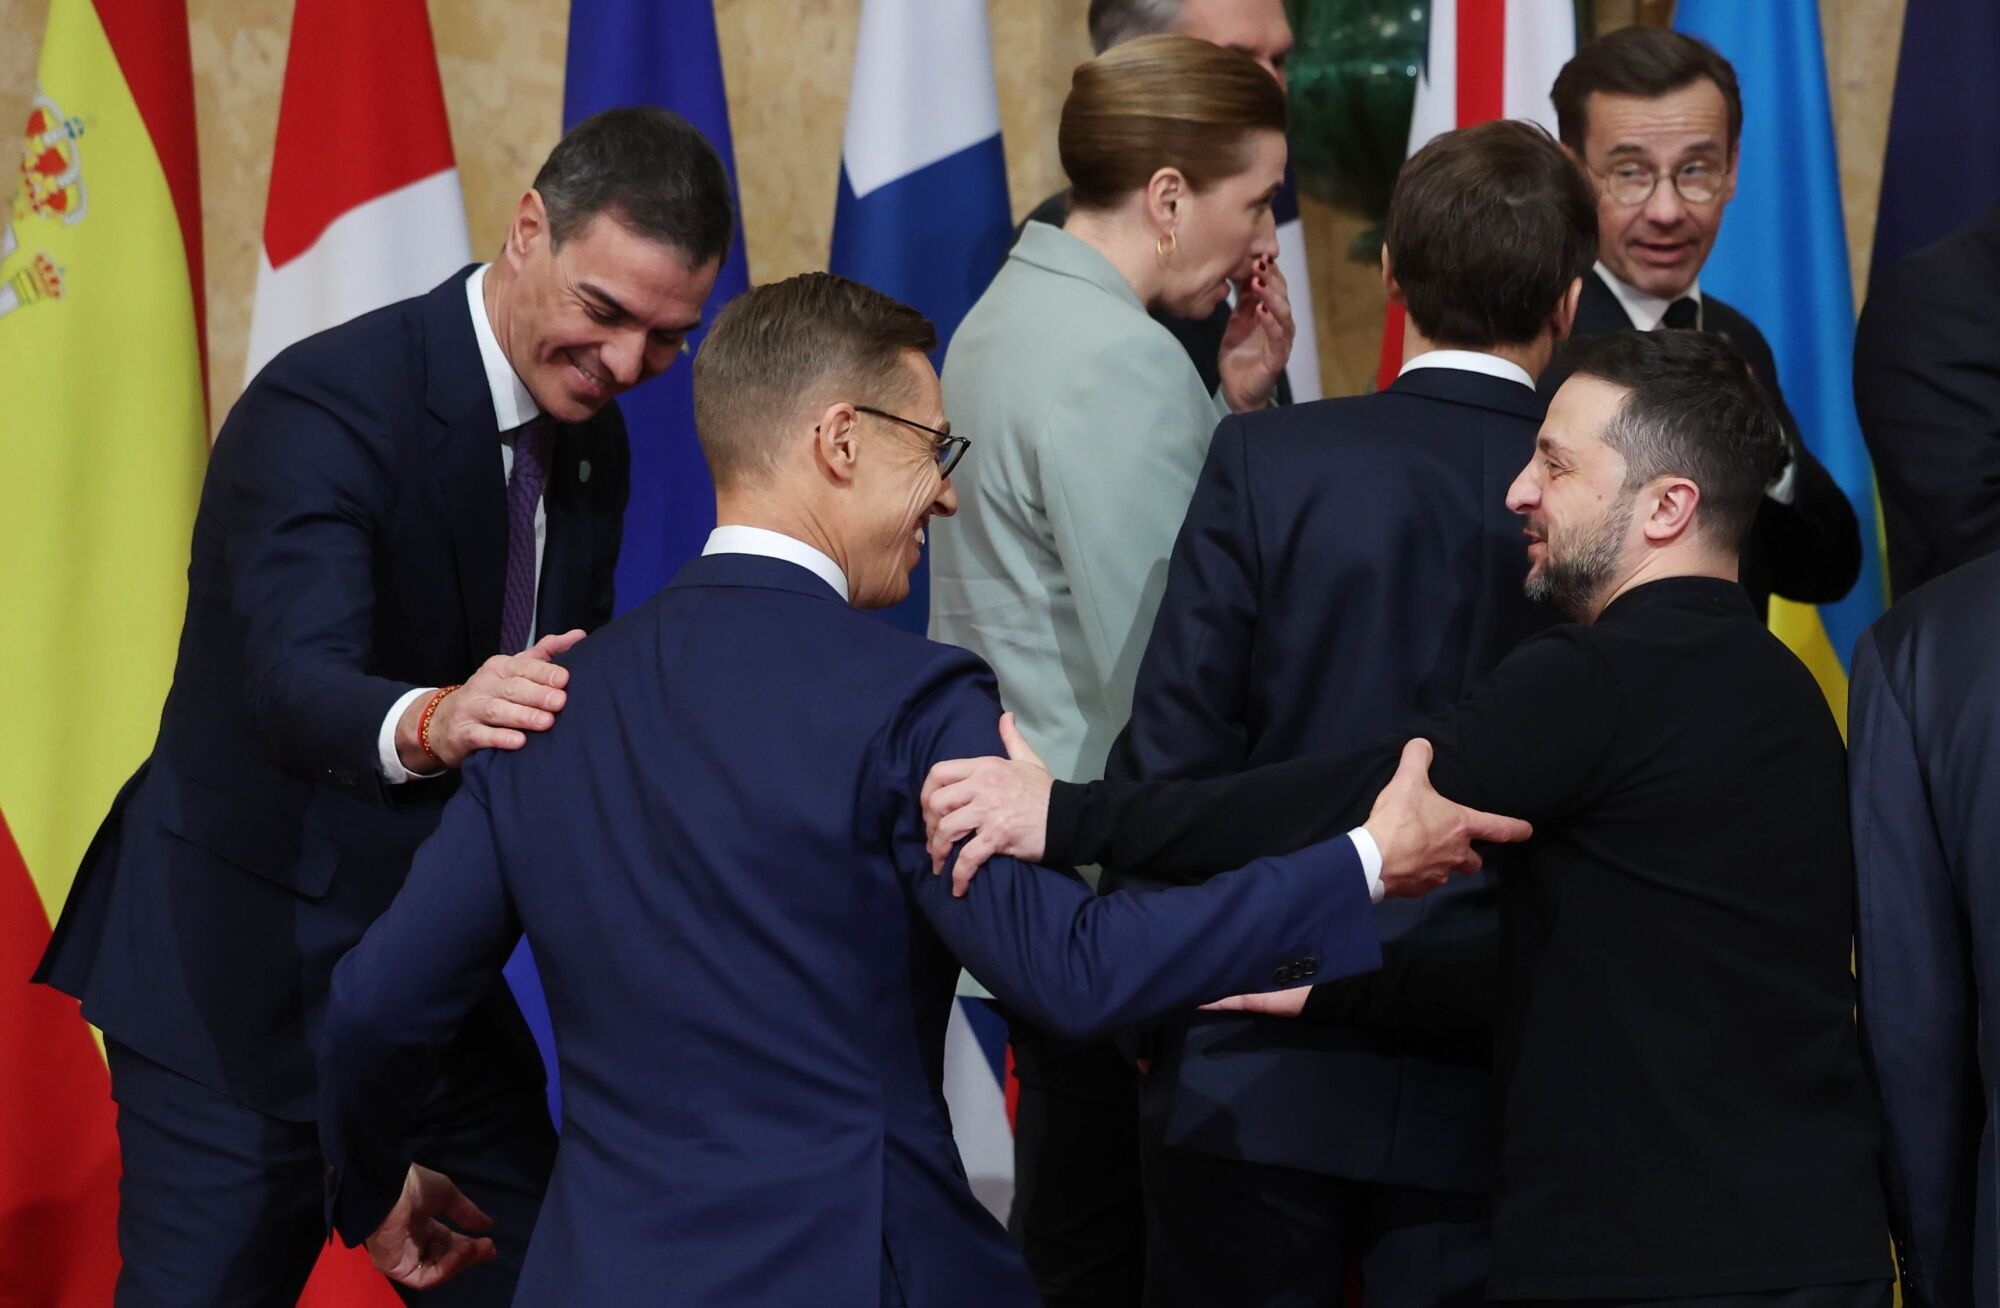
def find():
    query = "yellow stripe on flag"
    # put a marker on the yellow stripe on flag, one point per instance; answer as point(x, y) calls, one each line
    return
point(1800, 627)
point(104, 448)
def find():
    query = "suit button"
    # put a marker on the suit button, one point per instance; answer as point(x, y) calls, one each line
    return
point(1308, 966)
point(1283, 975)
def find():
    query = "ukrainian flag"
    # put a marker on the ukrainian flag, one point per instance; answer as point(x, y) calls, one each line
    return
point(1782, 256)
point(103, 440)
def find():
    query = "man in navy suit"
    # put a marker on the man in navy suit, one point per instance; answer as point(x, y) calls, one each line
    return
point(1925, 719)
point(1346, 568)
point(395, 505)
point(719, 858)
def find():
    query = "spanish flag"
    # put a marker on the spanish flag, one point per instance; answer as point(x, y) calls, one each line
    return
point(103, 440)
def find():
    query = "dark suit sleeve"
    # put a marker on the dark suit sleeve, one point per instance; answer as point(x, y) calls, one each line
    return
point(1813, 543)
point(1927, 388)
point(398, 997)
point(1082, 965)
point(1526, 740)
point(301, 497)
point(1194, 680)
point(1919, 1015)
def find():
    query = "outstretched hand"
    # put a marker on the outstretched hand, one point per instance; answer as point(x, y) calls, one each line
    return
point(413, 1247)
point(1002, 804)
point(1423, 836)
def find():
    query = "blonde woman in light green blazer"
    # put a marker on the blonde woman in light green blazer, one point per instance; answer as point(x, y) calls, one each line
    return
point(1091, 426)
point(1090, 422)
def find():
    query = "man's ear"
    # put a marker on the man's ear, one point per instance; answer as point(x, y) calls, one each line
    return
point(1670, 510)
point(1390, 286)
point(837, 442)
point(1563, 321)
point(529, 229)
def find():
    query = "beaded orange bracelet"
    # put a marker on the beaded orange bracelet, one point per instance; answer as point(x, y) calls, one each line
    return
point(424, 723)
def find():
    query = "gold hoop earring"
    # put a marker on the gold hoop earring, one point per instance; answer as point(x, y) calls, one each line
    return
point(1166, 245)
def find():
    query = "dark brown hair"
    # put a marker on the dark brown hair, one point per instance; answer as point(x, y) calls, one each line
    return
point(1642, 61)
point(777, 348)
point(1162, 102)
point(1695, 411)
point(651, 171)
point(1488, 227)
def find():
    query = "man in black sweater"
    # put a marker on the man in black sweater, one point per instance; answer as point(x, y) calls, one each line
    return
point(1684, 1115)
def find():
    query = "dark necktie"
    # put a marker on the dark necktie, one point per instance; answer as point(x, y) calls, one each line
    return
point(524, 490)
point(1682, 315)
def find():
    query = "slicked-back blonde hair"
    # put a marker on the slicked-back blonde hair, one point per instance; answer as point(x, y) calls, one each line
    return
point(1162, 102)
point(778, 348)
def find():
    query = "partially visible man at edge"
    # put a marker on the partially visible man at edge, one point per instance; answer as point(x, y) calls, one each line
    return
point(1654, 115)
point(718, 855)
point(395, 505)
point(1684, 1115)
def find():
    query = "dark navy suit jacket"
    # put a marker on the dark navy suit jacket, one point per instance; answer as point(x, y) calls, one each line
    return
point(1346, 567)
point(350, 544)
point(718, 857)
point(1924, 717)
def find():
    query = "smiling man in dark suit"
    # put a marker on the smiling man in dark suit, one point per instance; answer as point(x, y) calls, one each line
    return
point(396, 505)
point(1347, 567)
point(1655, 117)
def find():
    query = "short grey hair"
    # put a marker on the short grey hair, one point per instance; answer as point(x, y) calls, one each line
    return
point(651, 171)
point(1114, 22)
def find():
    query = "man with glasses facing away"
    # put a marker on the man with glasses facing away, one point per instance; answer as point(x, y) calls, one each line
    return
point(1655, 117)
point(719, 856)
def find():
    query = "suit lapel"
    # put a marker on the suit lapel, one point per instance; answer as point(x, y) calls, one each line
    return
point(566, 554)
point(1598, 310)
point(470, 487)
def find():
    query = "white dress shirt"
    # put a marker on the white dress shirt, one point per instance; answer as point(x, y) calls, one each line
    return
point(1643, 309)
point(1471, 361)
point(735, 538)
point(512, 406)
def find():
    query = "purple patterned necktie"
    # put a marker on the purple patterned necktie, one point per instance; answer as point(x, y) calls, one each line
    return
point(532, 440)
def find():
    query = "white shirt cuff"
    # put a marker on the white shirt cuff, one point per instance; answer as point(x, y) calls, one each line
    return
point(391, 763)
point(1371, 861)
point(1785, 487)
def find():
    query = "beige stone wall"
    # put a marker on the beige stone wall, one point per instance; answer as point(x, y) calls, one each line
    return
point(787, 64)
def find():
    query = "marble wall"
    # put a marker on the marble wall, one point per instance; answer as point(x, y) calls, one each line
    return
point(787, 64)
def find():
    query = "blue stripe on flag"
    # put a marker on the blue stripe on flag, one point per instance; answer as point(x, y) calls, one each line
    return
point(1782, 254)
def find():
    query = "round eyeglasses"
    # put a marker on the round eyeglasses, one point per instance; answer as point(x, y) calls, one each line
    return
point(1632, 184)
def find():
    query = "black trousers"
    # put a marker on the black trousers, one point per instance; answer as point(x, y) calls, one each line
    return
point(1078, 1212)
point(1225, 1231)
point(222, 1206)
point(1847, 1294)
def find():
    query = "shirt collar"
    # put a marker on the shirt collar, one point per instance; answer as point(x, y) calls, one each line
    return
point(512, 405)
point(735, 538)
point(1642, 309)
point(1492, 365)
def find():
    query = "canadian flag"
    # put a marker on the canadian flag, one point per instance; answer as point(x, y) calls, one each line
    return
point(1487, 59)
point(365, 207)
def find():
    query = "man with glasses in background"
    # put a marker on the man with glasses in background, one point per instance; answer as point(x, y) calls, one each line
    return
point(1655, 117)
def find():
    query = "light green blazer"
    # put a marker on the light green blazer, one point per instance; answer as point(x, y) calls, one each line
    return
point(1089, 426)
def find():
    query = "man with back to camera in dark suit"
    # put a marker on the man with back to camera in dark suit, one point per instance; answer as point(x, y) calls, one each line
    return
point(1927, 390)
point(1655, 118)
point(1924, 715)
point(1346, 568)
point(1078, 1210)
point(396, 504)
point(749, 960)
point(1684, 1116)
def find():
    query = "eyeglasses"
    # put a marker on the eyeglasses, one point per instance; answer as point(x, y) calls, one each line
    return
point(950, 448)
point(1632, 184)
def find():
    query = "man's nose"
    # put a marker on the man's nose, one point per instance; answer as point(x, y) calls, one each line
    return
point(946, 502)
point(1524, 495)
point(624, 356)
point(1664, 207)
